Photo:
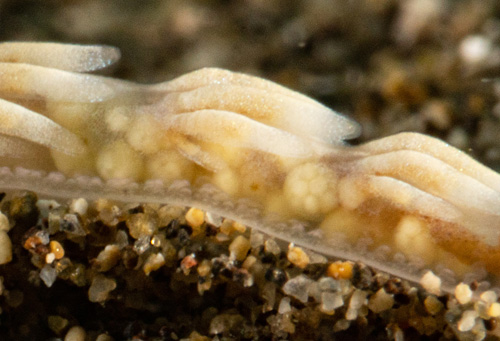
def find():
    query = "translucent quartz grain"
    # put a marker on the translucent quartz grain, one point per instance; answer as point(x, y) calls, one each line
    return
point(4, 223)
point(256, 238)
point(153, 263)
point(226, 227)
point(100, 288)
point(221, 237)
point(239, 248)
point(494, 310)
point(298, 287)
point(141, 225)
point(213, 219)
point(49, 258)
point(249, 262)
point(489, 296)
point(195, 217)
point(269, 295)
point(314, 291)
point(239, 227)
point(121, 239)
point(463, 293)
point(341, 324)
point(316, 258)
point(104, 337)
point(75, 333)
point(431, 283)
point(358, 299)
point(107, 258)
point(79, 206)
point(142, 244)
point(467, 321)
point(284, 323)
point(271, 246)
point(204, 268)
point(482, 309)
point(168, 213)
point(297, 256)
point(48, 275)
point(224, 322)
point(46, 206)
point(57, 323)
point(284, 306)
point(399, 335)
point(380, 301)
point(328, 284)
point(109, 215)
point(331, 301)
point(433, 305)
point(5, 247)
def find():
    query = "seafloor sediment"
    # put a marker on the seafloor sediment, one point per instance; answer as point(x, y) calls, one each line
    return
point(107, 271)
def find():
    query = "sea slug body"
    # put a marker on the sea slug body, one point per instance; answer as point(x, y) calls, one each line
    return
point(213, 139)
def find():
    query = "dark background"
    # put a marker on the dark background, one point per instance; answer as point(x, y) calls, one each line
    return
point(392, 65)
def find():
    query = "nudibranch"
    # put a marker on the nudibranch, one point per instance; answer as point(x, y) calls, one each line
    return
point(247, 149)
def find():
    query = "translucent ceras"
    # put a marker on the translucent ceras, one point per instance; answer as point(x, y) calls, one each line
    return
point(253, 139)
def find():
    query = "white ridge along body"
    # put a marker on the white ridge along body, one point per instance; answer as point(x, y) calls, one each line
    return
point(411, 195)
